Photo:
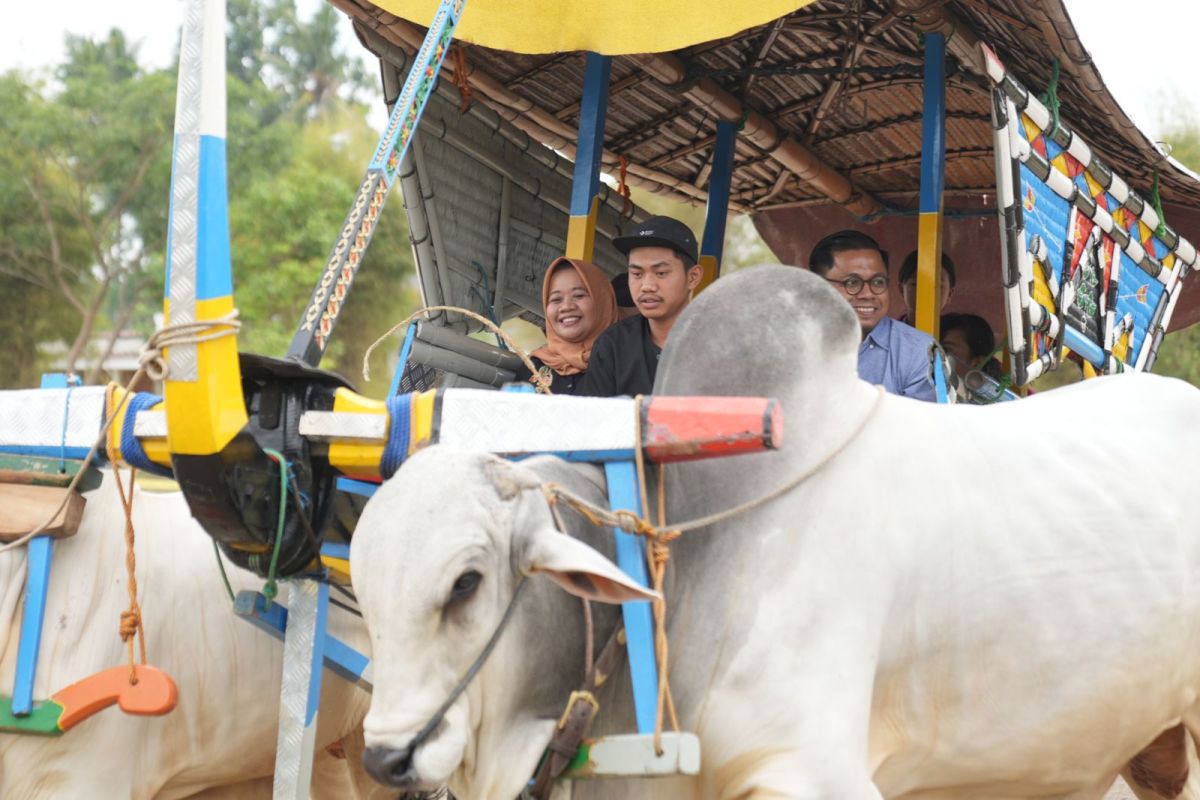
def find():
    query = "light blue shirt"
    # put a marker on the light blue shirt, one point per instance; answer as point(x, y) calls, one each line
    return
point(896, 356)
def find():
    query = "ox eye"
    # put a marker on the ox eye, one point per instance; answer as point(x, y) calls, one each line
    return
point(465, 586)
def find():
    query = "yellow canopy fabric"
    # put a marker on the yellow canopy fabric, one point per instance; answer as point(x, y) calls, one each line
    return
point(611, 27)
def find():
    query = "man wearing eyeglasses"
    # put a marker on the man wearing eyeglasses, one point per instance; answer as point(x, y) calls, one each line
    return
point(892, 354)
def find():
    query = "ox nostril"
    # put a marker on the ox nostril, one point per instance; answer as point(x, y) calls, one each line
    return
point(389, 766)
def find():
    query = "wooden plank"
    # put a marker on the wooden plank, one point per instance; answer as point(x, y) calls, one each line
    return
point(45, 471)
point(24, 507)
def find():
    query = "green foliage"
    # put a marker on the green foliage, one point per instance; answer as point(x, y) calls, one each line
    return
point(284, 227)
point(1179, 354)
point(85, 176)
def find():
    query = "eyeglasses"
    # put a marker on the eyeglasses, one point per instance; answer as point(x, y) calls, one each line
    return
point(854, 284)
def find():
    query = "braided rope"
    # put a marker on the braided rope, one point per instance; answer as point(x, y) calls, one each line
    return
point(131, 618)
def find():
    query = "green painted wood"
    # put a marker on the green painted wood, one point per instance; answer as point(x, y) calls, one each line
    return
point(43, 721)
point(45, 471)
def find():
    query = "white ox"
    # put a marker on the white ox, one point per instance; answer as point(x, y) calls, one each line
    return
point(220, 739)
point(965, 602)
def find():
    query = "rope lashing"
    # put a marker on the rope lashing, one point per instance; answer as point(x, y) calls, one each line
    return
point(542, 383)
point(461, 77)
point(132, 452)
point(658, 553)
point(623, 187)
point(1156, 201)
point(399, 407)
point(661, 535)
point(1049, 98)
point(151, 358)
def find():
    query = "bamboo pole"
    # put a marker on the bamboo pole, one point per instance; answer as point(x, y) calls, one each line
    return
point(762, 132)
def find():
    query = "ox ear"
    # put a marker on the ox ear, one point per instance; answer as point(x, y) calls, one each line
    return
point(579, 569)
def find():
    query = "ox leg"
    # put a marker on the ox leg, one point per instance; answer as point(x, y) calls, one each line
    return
point(1134, 772)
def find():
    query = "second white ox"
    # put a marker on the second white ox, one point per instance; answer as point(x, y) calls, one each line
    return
point(220, 739)
point(963, 602)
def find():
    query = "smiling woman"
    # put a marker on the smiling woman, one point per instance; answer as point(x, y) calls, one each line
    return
point(579, 305)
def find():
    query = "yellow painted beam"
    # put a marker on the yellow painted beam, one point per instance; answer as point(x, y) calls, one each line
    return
point(581, 234)
point(929, 268)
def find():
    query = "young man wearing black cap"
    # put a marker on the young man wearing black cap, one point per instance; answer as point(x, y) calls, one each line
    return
point(662, 255)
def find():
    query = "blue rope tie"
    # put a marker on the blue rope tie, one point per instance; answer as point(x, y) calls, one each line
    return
point(62, 443)
point(396, 449)
point(132, 452)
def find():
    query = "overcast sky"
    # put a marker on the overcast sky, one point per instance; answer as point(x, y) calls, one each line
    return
point(1113, 30)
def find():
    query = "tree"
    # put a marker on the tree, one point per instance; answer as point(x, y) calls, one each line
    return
point(85, 176)
point(83, 171)
point(283, 226)
point(1179, 355)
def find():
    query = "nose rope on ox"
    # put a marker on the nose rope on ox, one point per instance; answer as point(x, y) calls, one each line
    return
point(436, 720)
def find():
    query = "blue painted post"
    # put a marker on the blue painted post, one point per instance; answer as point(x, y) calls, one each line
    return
point(933, 179)
point(405, 349)
point(639, 619)
point(589, 149)
point(712, 244)
point(38, 557)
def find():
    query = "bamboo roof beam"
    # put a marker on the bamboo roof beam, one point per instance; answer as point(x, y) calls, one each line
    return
point(761, 131)
point(533, 120)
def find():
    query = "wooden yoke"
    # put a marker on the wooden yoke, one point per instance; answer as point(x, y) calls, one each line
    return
point(596, 429)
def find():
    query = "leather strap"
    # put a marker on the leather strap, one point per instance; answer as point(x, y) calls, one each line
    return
point(576, 718)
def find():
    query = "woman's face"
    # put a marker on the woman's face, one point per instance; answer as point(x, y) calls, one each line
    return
point(569, 307)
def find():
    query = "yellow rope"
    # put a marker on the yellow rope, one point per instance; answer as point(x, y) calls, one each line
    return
point(542, 384)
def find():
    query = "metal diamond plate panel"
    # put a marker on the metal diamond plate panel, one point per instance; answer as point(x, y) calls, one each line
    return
point(294, 754)
point(52, 417)
point(343, 425)
point(508, 422)
point(181, 359)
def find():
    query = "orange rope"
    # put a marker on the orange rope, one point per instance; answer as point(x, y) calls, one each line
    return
point(623, 187)
point(131, 618)
point(658, 553)
point(460, 77)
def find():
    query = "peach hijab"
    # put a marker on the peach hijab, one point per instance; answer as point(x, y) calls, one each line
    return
point(571, 358)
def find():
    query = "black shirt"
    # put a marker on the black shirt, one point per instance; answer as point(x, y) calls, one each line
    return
point(559, 384)
point(624, 360)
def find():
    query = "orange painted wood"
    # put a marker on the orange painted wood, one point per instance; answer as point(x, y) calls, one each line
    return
point(153, 695)
point(23, 507)
point(688, 428)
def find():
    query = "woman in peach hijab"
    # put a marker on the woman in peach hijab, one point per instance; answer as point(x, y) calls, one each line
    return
point(579, 305)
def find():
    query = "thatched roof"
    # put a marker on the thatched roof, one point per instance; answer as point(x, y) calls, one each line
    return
point(841, 79)
point(829, 99)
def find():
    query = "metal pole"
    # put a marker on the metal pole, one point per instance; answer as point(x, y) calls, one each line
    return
point(933, 178)
point(712, 244)
point(585, 190)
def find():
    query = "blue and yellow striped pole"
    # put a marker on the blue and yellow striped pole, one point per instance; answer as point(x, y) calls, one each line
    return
point(933, 178)
point(585, 189)
point(204, 403)
point(712, 243)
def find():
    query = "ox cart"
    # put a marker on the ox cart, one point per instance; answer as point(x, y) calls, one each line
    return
point(517, 140)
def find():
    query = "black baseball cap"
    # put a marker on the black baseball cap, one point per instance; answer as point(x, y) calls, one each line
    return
point(660, 232)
